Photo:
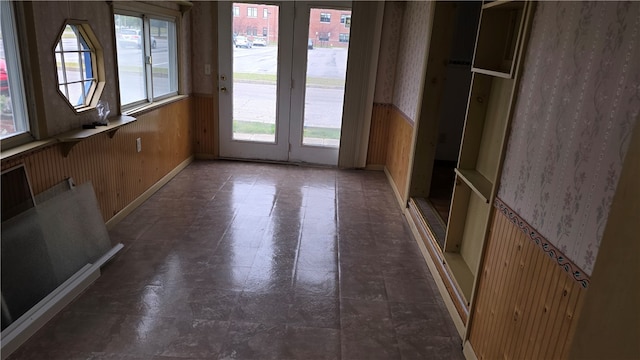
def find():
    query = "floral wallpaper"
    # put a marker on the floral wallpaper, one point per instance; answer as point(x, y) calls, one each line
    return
point(392, 24)
point(411, 61)
point(577, 106)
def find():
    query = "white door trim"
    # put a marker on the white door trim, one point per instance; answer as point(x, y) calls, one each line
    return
point(230, 148)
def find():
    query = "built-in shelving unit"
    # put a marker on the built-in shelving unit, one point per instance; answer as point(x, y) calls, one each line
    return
point(71, 138)
point(457, 257)
point(499, 38)
point(494, 81)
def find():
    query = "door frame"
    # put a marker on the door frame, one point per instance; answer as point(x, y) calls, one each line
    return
point(360, 83)
point(230, 148)
point(299, 152)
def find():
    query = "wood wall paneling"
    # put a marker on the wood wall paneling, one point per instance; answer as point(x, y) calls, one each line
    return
point(526, 305)
point(609, 324)
point(378, 135)
point(399, 148)
point(119, 173)
point(205, 126)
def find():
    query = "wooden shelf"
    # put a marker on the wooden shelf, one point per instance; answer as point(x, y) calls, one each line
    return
point(499, 74)
point(503, 4)
point(499, 38)
point(72, 138)
point(477, 182)
point(461, 273)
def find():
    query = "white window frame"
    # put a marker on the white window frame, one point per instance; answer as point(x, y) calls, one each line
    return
point(345, 19)
point(84, 31)
point(326, 16)
point(265, 13)
point(148, 12)
point(236, 11)
point(252, 12)
point(16, 81)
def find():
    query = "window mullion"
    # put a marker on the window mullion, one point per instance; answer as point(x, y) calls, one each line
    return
point(148, 59)
point(81, 68)
point(64, 71)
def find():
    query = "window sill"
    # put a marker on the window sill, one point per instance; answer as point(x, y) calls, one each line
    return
point(139, 110)
point(25, 148)
point(69, 139)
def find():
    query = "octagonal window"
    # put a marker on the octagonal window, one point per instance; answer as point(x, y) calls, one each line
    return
point(78, 60)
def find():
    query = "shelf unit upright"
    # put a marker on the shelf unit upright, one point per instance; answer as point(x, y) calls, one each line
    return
point(495, 70)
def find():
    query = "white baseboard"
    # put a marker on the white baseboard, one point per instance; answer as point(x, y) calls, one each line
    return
point(147, 194)
point(401, 201)
point(451, 308)
point(468, 351)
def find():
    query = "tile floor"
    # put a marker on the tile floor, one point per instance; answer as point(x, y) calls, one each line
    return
point(235, 260)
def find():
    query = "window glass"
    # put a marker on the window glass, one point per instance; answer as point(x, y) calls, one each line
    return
point(75, 66)
point(147, 58)
point(325, 17)
point(346, 20)
point(131, 64)
point(164, 67)
point(252, 12)
point(13, 111)
point(236, 11)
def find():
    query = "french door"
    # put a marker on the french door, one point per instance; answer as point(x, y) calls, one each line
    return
point(282, 79)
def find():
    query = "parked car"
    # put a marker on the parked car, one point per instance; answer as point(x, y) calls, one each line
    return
point(310, 44)
point(132, 38)
point(5, 100)
point(260, 41)
point(4, 79)
point(243, 42)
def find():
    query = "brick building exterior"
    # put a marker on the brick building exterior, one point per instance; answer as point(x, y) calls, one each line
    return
point(327, 27)
point(330, 28)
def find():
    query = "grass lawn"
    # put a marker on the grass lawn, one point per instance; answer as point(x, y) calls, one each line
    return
point(271, 78)
point(252, 127)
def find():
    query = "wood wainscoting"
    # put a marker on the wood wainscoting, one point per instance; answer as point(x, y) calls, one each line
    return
point(527, 304)
point(119, 173)
point(378, 135)
point(399, 149)
point(205, 114)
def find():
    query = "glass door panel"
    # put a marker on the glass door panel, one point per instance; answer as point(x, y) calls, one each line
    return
point(282, 79)
point(253, 65)
point(327, 53)
point(255, 72)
